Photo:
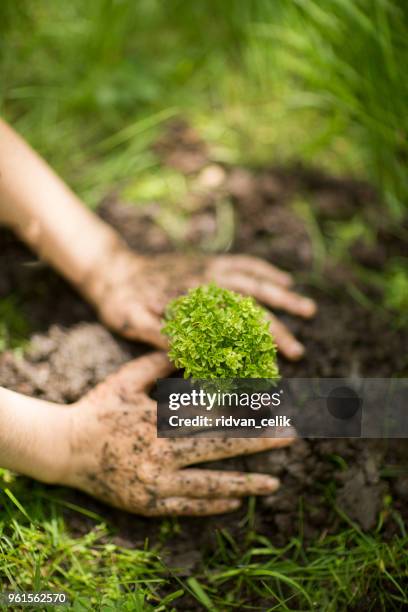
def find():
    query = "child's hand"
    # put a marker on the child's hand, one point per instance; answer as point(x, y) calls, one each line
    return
point(116, 456)
point(130, 291)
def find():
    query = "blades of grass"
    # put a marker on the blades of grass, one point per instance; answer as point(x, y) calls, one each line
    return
point(170, 598)
point(225, 228)
point(15, 501)
point(305, 211)
point(398, 519)
point(134, 129)
point(72, 506)
point(198, 591)
point(37, 579)
point(285, 579)
point(395, 583)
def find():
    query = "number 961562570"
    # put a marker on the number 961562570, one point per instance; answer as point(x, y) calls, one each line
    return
point(33, 598)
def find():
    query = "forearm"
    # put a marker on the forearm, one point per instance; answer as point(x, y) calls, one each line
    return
point(34, 436)
point(42, 210)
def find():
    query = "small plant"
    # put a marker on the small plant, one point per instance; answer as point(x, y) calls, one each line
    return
point(216, 333)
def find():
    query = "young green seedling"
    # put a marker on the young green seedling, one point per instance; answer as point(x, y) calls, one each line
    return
point(216, 333)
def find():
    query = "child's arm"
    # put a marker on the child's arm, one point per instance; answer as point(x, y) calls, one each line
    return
point(46, 214)
point(106, 445)
point(34, 436)
point(129, 291)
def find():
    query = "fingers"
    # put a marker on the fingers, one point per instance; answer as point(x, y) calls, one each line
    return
point(151, 367)
point(192, 507)
point(212, 483)
point(145, 326)
point(258, 267)
point(187, 451)
point(272, 295)
point(285, 341)
point(142, 373)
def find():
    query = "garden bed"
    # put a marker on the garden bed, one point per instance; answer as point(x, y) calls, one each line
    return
point(70, 351)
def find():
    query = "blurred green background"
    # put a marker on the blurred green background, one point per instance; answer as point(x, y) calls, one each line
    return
point(88, 83)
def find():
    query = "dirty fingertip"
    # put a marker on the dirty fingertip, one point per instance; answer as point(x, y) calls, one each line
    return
point(286, 279)
point(297, 351)
point(293, 350)
point(230, 504)
point(309, 308)
point(269, 485)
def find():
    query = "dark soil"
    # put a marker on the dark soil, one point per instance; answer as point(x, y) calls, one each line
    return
point(70, 351)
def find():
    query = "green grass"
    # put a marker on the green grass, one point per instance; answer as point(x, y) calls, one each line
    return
point(14, 327)
point(342, 571)
point(89, 83)
point(340, 64)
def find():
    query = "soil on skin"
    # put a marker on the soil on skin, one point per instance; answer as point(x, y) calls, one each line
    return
point(70, 351)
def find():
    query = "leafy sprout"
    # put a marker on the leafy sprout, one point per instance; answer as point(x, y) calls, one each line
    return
point(216, 333)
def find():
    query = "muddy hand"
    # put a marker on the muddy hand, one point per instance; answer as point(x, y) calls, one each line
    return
point(130, 292)
point(116, 456)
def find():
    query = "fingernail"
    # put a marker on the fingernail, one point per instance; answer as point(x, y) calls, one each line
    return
point(233, 504)
point(264, 484)
point(287, 280)
point(271, 484)
point(296, 350)
point(309, 307)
